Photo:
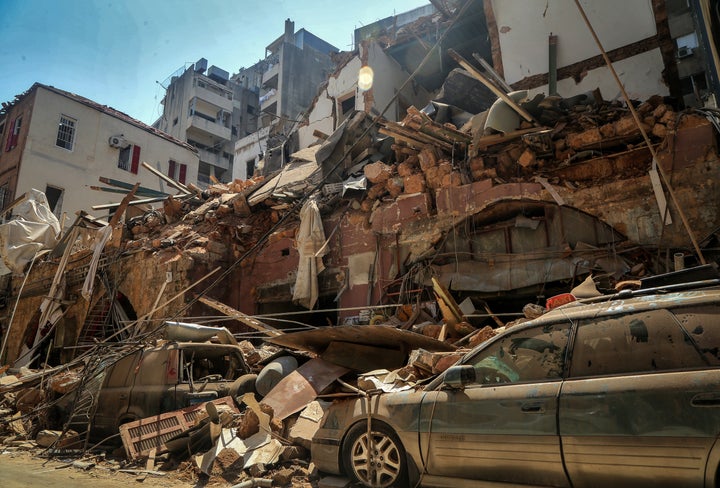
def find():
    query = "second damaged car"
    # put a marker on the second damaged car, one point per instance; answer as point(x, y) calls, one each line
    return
point(624, 391)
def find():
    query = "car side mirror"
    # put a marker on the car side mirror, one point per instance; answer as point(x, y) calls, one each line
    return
point(456, 377)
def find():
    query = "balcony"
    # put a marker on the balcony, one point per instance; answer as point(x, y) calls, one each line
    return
point(270, 77)
point(215, 159)
point(268, 101)
point(206, 95)
point(216, 130)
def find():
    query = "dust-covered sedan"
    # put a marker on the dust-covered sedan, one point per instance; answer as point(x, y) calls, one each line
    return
point(621, 392)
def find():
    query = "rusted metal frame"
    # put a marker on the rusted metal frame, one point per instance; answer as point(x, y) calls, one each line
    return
point(635, 116)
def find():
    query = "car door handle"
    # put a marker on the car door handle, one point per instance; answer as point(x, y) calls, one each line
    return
point(706, 400)
point(532, 408)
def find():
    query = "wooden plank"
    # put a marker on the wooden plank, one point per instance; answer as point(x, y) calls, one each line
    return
point(239, 316)
point(123, 205)
point(106, 206)
point(445, 296)
point(499, 93)
point(493, 74)
point(128, 186)
point(301, 387)
point(659, 194)
point(167, 179)
point(491, 140)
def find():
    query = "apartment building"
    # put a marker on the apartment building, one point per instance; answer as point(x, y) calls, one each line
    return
point(210, 111)
point(61, 143)
point(287, 80)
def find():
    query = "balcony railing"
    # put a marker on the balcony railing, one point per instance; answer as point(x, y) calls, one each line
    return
point(213, 128)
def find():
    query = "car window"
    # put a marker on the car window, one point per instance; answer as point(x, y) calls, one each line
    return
point(204, 362)
point(701, 324)
point(634, 343)
point(536, 354)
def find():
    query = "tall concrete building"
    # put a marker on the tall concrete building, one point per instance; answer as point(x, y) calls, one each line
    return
point(287, 81)
point(209, 110)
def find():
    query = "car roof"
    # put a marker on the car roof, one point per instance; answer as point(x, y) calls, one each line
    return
point(622, 303)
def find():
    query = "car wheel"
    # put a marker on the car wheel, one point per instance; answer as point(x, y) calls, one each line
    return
point(380, 463)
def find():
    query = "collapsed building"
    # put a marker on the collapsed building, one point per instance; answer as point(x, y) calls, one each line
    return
point(498, 197)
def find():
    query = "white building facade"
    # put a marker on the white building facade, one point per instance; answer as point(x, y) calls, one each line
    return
point(62, 144)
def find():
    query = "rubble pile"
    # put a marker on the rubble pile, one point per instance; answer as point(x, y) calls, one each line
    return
point(429, 155)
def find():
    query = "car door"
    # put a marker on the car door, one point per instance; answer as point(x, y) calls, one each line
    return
point(153, 391)
point(640, 405)
point(503, 426)
point(114, 397)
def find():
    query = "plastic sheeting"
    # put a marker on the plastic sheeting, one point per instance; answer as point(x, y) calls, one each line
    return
point(34, 228)
point(310, 240)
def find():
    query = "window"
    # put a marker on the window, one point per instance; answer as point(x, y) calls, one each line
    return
point(635, 343)
point(177, 171)
point(702, 327)
point(249, 168)
point(54, 197)
point(536, 354)
point(66, 132)
point(14, 133)
point(4, 196)
point(124, 159)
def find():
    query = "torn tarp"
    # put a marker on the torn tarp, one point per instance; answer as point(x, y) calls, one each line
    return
point(34, 228)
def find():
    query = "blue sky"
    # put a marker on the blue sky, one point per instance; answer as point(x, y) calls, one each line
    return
point(114, 51)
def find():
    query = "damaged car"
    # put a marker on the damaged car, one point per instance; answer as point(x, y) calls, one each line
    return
point(620, 390)
point(185, 369)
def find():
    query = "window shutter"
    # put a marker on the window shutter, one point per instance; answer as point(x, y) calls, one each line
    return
point(135, 160)
point(11, 135)
point(171, 168)
point(183, 173)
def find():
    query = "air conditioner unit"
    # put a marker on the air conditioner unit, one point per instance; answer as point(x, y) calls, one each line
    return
point(118, 141)
point(684, 52)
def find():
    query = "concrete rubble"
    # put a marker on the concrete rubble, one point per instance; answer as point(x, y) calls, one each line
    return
point(374, 260)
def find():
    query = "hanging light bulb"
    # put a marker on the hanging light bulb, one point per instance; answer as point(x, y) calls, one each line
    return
point(365, 78)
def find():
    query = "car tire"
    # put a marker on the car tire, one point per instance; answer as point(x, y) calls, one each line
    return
point(242, 385)
point(388, 462)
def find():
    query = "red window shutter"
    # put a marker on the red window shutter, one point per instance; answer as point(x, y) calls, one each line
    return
point(135, 160)
point(11, 135)
point(171, 168)
point(183, 173)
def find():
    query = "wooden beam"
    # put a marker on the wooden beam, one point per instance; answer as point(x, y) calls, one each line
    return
point(493, 74)
point(123, 205)
point(239, 316)
point(166, 178)
point(128, 186)
point(499, 93)
point(106, 206)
